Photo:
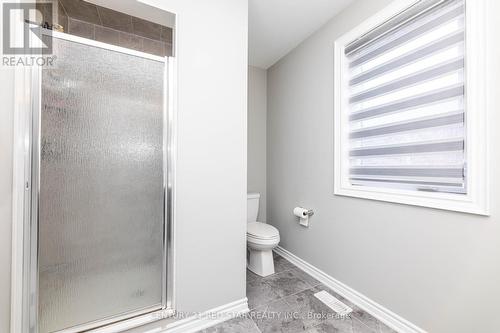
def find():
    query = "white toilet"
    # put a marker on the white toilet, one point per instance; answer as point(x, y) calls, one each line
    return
point(262, 238)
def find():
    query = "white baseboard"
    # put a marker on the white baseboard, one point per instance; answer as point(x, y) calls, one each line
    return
point(378, 311)
point(208, 318)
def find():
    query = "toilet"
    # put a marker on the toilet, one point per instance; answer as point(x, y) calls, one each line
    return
point(262, 238)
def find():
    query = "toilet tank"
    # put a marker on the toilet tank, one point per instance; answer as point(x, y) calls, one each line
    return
point(252, 206)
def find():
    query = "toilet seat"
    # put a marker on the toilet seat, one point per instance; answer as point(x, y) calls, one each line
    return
point(258, 231)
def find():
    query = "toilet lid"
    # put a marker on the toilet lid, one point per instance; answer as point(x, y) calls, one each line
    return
point(262, 230)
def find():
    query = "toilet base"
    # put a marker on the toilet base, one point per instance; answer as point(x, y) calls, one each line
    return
point(261, 262)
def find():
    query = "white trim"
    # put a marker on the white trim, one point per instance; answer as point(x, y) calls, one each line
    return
point(476, 201)
point(20, 154)
point(191, 324)
point(128, 324)
point(206, 319)
point(121, 323)
point(376, 310)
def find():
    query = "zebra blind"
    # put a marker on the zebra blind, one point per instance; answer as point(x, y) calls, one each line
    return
point(406, 102)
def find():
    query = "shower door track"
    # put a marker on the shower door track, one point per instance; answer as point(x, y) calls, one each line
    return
point(31, 136)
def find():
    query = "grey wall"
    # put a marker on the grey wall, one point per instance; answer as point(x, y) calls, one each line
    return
point(438, 269)
point(257, 114)
point(211, 156)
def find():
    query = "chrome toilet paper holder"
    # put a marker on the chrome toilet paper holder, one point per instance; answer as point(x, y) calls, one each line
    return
point(303, 214)
point(309, 213)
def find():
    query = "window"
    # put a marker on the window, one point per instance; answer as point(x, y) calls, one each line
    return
point(410, 124)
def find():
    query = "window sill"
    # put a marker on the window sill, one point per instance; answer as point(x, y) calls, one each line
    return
point(445, 201)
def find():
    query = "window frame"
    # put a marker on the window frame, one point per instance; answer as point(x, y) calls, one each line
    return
point(476, 201)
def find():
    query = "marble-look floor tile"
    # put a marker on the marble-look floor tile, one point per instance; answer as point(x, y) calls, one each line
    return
point(251, 276)
point(383, 328)
point(306, 277)
point(281, 264)
point(260, 293)
point(277, 317)
point(341, 326)
point(359, 327)
point(236, 325)
point(285, 302)
point(312, 311)
point(365, 318)
point(287, 283)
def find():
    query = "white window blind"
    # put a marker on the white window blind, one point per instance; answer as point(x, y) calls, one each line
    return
point(406, 101)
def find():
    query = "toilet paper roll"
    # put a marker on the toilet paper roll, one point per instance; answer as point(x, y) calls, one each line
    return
point(300, 212)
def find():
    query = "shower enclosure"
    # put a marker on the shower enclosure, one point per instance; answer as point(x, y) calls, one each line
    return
point(98, 221)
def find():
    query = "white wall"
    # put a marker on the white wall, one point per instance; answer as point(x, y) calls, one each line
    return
point(436, 268)
point(257, 114)
point(211, 160)
point(212, 151)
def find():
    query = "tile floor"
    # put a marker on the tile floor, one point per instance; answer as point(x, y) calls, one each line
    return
point(285, 302)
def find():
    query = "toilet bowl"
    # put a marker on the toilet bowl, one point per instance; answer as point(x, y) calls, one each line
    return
point(262, 238)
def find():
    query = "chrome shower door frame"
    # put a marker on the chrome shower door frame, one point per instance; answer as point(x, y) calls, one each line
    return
point(32, 130)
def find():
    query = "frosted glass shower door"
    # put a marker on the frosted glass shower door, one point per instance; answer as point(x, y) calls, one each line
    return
point(101, 198)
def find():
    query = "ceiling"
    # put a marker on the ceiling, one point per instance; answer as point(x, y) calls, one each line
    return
point(278, 26)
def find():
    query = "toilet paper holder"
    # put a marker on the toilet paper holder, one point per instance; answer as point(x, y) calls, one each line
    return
point(309, 213)
point(303, 214)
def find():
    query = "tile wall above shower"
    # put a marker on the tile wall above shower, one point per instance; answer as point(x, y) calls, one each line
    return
point(91, 21)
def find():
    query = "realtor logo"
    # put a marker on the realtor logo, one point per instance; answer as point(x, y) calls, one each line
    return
point(28, 18)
